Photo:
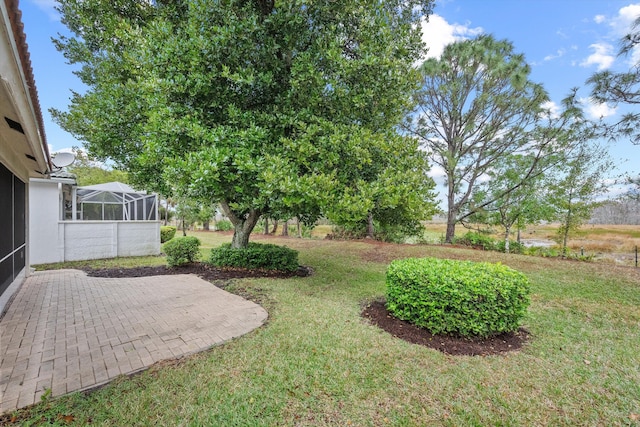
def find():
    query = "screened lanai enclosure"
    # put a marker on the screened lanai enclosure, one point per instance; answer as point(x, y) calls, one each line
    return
point(75, 223)
point(113, 201)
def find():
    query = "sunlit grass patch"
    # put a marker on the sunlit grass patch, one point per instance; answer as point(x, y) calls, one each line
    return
point(123, 262)
point(318, 363)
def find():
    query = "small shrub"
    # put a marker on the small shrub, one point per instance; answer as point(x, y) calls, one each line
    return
point(476, 240)
point(306, 230)
point(399, 233)
point(182, 250)
point(166, 233)
point(514, 247)
point(339, 232)
point(542, 252)
point(256, 255)
point(457, 297)
point(581, 257)
point(224, 225)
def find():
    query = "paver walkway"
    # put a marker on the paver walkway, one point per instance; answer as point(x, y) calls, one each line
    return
point(66, 331)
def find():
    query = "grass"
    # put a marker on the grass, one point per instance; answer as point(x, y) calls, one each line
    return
point(613, 244)
point(106, 263)
point(317, 363)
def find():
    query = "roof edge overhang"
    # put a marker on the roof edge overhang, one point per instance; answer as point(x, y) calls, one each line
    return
point(36, 138)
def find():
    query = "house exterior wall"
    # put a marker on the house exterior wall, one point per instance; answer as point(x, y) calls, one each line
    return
point(44, 196)
point(23, 149)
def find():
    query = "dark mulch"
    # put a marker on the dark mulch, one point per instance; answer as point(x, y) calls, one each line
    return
point(205, 271)
point(377, 313)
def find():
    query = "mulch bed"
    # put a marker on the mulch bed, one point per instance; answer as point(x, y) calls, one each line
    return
point(375, 312)
point(378, 315)
point(205, 271)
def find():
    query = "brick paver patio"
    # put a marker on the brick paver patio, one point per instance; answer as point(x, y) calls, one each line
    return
point(66, 331)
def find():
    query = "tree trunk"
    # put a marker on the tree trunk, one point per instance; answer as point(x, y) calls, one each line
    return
point(266, 225)
point(567, 225)
point(564, 242)
point(519, 235)
point(275, 227)
point(452, 213)
point(506, 240)
point(242, 225)
point(240, 236)
point(166, 211)
point(299, 229)
point(285, 228)
point(184, 230)
point(370, 228)
point(205, 226)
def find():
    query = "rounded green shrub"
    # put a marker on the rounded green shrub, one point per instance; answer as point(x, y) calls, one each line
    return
point(256, 255)
point(476, 240)
point(167, 233)
point(182, 250)
point(224, 225)
point(462, 298)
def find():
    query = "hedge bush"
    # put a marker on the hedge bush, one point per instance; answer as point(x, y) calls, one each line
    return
point(457, 297)
point(256, 255)
point(166, 233)
point(476, 240)
point(224, 225)
point(182, 250)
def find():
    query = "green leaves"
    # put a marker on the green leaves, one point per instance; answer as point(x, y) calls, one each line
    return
point(620, 88)
point(477, 107)
point(574, 190)
point(457, 297)
point(182, 250)
point(263, 106)
point(255, 255)
point(167, 232)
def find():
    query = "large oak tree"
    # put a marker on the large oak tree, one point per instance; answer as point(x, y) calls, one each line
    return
point(259, 105)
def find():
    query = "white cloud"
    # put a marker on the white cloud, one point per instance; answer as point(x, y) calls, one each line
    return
point(620, 24)
point(623, 23)
point(626, 16)
point(552, 109)
point(602, 56)
point(437, 33)
point(597, 111)
point(559, 53)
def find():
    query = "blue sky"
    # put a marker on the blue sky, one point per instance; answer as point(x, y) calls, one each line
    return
point(564, 41)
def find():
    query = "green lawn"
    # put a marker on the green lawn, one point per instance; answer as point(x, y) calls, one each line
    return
point(316, 362)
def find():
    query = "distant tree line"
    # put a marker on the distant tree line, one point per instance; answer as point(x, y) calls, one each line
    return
point(619, 212)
